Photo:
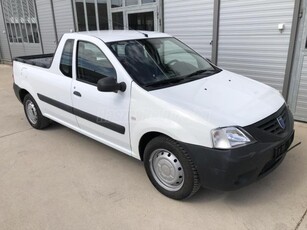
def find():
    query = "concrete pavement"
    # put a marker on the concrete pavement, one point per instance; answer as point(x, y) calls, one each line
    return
point(59, 179)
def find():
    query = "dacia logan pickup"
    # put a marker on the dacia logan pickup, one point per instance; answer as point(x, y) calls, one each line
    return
point(152, 97)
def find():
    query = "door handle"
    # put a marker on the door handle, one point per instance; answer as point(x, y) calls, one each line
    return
point(77, 93)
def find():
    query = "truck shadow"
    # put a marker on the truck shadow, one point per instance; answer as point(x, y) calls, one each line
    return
point(55, 126)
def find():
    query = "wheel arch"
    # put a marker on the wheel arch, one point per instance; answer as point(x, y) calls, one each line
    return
point(145, 139)
point(22, 94)
point(145, 131)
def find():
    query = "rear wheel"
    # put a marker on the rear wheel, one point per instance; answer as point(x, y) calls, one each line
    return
point(33, 113)
point(170, 169)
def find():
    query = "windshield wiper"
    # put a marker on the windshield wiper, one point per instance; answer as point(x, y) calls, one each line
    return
point(198, 72)
point(179, 79)
point(165, 82)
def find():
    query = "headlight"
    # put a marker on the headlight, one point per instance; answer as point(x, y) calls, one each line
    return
point(230, 137)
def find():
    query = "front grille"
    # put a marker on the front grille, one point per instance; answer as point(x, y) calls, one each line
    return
point(272, 126)
point(269, 166)
point(278, 155)
point(281, 149)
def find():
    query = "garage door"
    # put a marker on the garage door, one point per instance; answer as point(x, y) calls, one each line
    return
point(190, 21)
point(250, 42)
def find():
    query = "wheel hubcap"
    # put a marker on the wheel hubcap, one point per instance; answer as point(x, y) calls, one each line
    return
point(166, 169)
point(31, 112)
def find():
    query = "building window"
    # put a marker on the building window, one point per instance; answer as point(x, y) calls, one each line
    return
point(131, 2)
point(116, 14)
point(103, 14)
point(141, 21)
point(92, 14)
point(148, 1)
point(118, 21)
point(21, 21)
point(80, 15)
point(116, 3)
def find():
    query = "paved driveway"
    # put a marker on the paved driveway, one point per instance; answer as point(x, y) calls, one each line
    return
point(59, 179)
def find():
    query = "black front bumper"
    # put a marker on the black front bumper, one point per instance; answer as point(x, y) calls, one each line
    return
point(227, 170)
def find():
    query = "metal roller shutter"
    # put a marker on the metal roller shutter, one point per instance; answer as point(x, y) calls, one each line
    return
point(46, 25)
point(63, 16)
point(250, 42)
point(191, 22)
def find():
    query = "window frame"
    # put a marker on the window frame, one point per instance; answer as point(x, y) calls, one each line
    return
point(141, 6)
point(76, 61)
point(72, 57)
point(134, 79)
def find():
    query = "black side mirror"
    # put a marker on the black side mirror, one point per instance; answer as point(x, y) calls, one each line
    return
point(109, 84)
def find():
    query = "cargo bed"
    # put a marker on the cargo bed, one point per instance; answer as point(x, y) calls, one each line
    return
point(41, 60)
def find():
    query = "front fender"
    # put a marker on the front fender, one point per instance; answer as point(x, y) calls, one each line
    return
point(164, 126)
point(149, 113)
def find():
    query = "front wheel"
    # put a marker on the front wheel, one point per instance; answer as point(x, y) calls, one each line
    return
point(170, 168)
point(33, 113)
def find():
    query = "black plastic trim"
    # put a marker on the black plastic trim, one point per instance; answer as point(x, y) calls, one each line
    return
point(264, 136)
point(77, 93)
point(17, 91)
point(100, 121)
point(55, 103)
point(92, 118)
point(231, 169)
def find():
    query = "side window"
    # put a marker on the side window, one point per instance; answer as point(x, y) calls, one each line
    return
point(66, 59)
point(92, 64)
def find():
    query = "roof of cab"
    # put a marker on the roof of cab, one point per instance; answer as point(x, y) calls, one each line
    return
point(120, 35)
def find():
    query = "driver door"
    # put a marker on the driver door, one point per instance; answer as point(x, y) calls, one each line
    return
point(102, 115)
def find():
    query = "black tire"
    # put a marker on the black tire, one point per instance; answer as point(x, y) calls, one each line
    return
point(188, 186)
point(41, 121)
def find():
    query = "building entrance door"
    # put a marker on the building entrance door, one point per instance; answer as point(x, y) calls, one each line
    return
point(136, 15)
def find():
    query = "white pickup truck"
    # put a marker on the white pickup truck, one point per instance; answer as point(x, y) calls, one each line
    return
point(152, 97)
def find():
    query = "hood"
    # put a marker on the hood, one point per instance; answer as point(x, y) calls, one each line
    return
point(224, 99)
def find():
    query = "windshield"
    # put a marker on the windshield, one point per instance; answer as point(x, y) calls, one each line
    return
point(161, 62)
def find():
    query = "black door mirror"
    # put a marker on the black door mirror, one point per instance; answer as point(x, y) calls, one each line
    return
point(109, 84)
